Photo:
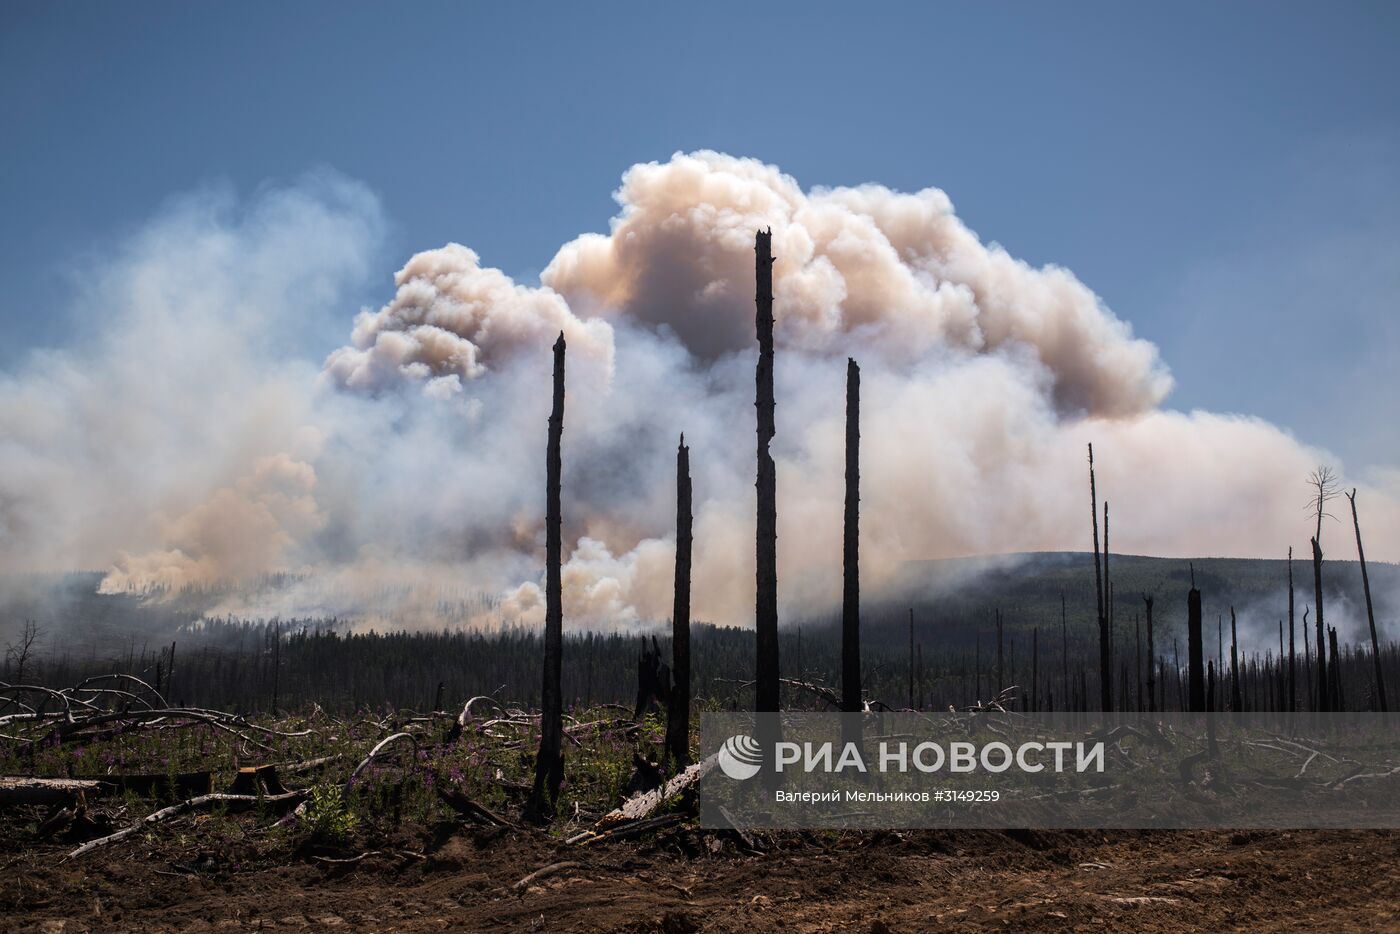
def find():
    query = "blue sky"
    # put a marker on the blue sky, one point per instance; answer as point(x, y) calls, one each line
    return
point(1226, 176)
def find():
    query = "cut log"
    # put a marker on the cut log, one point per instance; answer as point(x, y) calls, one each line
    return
point(19, 790)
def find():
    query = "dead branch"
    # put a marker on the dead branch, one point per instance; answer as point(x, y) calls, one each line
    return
point(473, 810)
point(374, 753)
point(201, 803)
point(539, 874)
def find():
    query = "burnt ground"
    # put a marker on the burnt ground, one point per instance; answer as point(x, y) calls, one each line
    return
point(461, 878)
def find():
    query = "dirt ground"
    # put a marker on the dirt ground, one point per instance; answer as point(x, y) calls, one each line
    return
point(464, 879)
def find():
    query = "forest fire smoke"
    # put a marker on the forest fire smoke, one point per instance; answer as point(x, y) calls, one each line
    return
point(179, 440)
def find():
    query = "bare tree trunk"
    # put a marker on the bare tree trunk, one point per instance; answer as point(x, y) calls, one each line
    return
point(1370, 610)
point(549, 762)
point(766, 681)
point(1322, 694)
point(1137, 652)
point(678, 713)
point(1035, 670)
point(1151, 659)
point(850, 555)
point(1236, 704)
point(1105, 660)
point(1064, 648)
point(1108, 605)
point(1334, 667)
point(1292, 645)
point(1001, 647)
point(911, 658)
point(1195, 653)
point(1308, 678)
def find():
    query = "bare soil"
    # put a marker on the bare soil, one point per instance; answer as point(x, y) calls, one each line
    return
point(461, 878)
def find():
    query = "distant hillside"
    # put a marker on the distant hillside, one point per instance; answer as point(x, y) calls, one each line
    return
point(954, 599)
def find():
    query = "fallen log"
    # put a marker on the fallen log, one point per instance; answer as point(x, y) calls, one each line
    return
point(470, 809)
point(20, 790)
point(643, 805)
point(233, 803)
point(623, 831)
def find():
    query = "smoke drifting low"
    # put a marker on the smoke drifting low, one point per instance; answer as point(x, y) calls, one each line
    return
point(177, 441)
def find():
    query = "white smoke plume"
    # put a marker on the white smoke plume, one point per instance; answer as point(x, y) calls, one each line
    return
point(176, 443)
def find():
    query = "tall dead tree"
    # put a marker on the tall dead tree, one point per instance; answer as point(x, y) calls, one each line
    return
point(850, 554)
point(1137, 652)
point(1334, 671)
point(1108, 600)
point(1292, 645)
point(911, 658)
point(1323, 483)
point(1235, 701)
point(1151, 658)
point(1064, 648)
point(1322, 692)
point(766, 683)
point(549, 761)
point(1195, 650)
point(1035, 670)
point(678, 713)
point(1001, 647)
point(1308, 678)
point(1370, 610)
point(1105, 659)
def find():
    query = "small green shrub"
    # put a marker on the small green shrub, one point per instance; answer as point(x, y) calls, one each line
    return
point(328, 817)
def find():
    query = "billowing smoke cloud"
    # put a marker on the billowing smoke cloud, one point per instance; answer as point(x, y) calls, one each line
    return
point(177, 443)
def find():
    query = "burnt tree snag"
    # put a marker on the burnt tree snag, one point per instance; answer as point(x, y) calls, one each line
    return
point(678, 713)
point(1151, 658)
point(850, 552)
point(549, 762)
point(1323, 695)
point(1195, 651)
point(766, 681)
point(1370, 610)
point(1105, 661)
point(1292, 645)
point(1236, 703)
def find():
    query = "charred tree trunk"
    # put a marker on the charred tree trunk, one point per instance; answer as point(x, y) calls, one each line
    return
point(1308, 678)
point(766, 697)
point(1105, 661)
point(1370, 610)
point(1323, 696)
point(678, 713)
point(1137, 652)
point(1001, 652)
point(1334, 670)
point(1151, 659)
point(1195, 651)
point(1236, 704)
point(549, 761)
point(850, 554)
point(1292, 645)
point(911, 658)
point(1035, 670)
point(1064, 648)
